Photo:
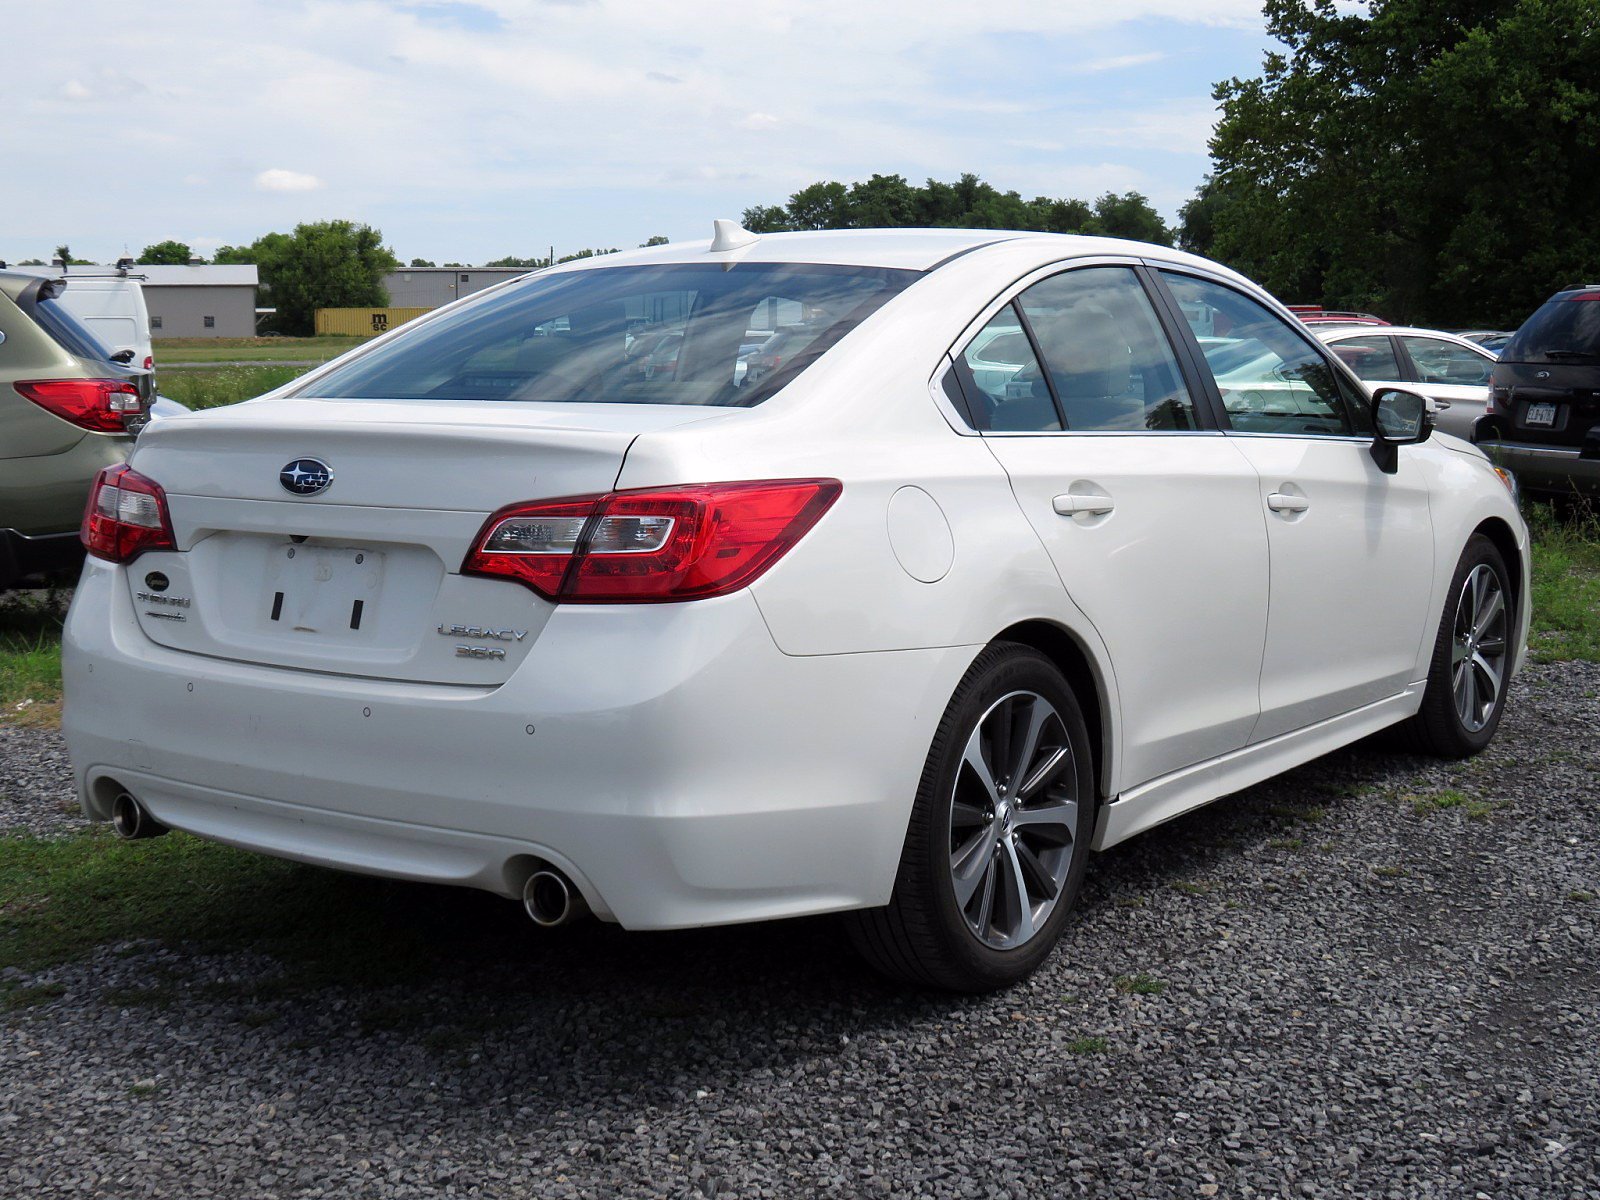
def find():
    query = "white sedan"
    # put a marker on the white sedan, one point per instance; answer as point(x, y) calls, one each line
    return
point(883, 632)
point(1450, 370)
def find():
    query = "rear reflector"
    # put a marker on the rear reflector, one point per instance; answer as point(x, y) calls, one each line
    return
point(98, 405)
point(126, 515)
point(652, 546)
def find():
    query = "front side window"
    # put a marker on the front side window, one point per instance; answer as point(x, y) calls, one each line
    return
point(1439, 361)
point(675, 333)
point(1001, 377)
point(1108, 359)
point(1371, 358)
point(1272, 379)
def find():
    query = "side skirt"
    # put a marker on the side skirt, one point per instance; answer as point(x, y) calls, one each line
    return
point(1161, 799)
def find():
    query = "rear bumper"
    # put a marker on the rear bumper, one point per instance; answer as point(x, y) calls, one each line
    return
point(677, 765)
point(1547, 468)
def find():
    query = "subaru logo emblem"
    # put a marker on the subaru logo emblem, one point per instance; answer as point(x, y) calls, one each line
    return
point(306, 476)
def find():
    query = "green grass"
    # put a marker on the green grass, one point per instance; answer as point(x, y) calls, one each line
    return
point(30, 657)
point(1566, 585)
point(207, 388)
point(1427, 803)
point(1088, 1045)
point(61, 898)
point(204, 350)
point(1139, 985)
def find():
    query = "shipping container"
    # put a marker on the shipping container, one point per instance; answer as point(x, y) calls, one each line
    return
point(363, 322)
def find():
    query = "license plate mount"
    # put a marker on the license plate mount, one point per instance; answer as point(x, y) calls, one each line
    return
point(323, 590)
point(1541, 413)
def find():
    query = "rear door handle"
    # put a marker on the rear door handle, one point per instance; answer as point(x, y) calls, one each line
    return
point(1069, 504)
point(1284, 502)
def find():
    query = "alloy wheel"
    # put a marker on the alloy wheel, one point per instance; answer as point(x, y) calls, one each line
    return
point(1478, 651)
point(1013, 820)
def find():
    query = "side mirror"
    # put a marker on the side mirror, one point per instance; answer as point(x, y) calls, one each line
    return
point(1401, 418)
point(122, 356)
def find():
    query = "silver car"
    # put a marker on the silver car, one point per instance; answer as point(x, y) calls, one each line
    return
point(1449, 369)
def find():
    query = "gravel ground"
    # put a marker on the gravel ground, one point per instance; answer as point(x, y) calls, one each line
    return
point(1307, 989)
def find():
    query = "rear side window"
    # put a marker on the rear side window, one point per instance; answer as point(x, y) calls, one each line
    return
point(1108, 360)
point(1371, 358)
point(1565, 329)
point(679, 333)
point(71, 334)
point(1001, 377)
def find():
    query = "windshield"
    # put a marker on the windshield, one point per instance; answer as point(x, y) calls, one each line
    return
point(1565, 327)
point(71, 334)
point(678, 333)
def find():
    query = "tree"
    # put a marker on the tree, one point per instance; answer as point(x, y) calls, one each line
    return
point(889, 201)
point(1368, 165)
point(170, 253)
point(421, 262)
point(517, 262)
point(234, 255)
point(31, 262)
point(655, 240)
point(324, 264)
point(64, 253)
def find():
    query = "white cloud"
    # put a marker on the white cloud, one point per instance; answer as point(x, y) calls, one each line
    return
point(73, 90)
point(758, 121)
point(1121, 62)
point(279, 180)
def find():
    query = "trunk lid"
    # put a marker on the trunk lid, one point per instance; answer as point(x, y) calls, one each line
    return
point(360, 578)
point(1553, 404)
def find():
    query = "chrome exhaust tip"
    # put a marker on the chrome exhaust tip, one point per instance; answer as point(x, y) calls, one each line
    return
point(551, 899)
point(131, 821)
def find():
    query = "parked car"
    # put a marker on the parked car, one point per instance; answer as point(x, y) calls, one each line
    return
point(109, 302)
point(1313, 315)
point(1450, 370)
point(66, 411)
point(1493, 340)
point(867, 634)
point(1544, 414)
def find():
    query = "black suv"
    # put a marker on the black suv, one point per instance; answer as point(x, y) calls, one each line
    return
point(1543, 421)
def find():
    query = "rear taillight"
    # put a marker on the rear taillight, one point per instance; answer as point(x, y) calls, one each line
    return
point(99, 405)
point(651, 546)
point(126, 515)
point(149, 362)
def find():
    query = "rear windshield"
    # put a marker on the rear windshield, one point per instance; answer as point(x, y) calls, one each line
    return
point(677, 333)
point(1566, 328)
point(71, 334)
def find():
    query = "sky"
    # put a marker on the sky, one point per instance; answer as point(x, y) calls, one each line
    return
point(470, 131)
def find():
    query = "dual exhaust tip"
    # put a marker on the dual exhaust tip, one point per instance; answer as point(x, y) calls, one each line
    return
point(551, 899)
point(132, 820)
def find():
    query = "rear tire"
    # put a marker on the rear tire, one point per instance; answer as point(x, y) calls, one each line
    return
point(1472, 655)
point(998, 841)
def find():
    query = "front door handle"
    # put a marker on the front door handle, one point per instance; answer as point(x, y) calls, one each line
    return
point(1285, 502)
point(1069, 504)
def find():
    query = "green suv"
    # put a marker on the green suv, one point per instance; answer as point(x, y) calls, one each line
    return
point(66, 410)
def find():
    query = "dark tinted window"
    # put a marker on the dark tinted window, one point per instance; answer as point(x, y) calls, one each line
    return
point(1107, 356)
point(1372, 358)
point(676, 333)
point(1272, 379)
point(71, 334)
point(1565, 328)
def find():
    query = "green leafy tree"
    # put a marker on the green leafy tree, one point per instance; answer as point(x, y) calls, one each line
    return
point(64, 253)
point(234, 255)
point(1436, 160)
point(31, 262)
point(889, 201)
point(323, 264)
point(517, 262)
point(422, 262)
point(654, 240)
point(169, 253)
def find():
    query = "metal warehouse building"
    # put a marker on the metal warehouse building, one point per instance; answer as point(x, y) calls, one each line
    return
point(434, 287)
point(200, 301)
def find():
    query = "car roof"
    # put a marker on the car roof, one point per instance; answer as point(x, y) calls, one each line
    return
point(906, 249)
point(1333, 332)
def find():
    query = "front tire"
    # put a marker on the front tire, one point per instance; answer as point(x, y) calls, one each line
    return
point(998, 842)
point(1469, 673)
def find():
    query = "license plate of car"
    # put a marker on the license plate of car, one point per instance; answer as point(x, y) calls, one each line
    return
point(323, 589)
point(1540, 414)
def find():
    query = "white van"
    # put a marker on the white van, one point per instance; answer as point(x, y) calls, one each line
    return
point(110, 302)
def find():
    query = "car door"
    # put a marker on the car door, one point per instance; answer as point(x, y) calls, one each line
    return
point(1351, 547)
point(1454, 375)
point(1149, 513)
